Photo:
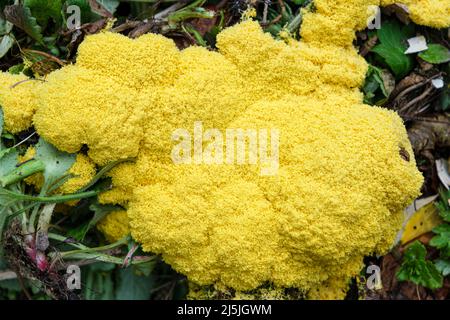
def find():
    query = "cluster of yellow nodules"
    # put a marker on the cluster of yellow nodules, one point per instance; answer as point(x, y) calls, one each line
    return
point(341, 185)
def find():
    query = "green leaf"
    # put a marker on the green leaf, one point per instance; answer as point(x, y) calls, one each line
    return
point(443, 265)
point(8, 160)
point(416, 269)
point(443, 211)
point(133, 287)
point(98, 280)
point(443, 205)
point(43, 11)
point(5, 26)
point(145, 269)
point(435, 54)
point(299, 2)
point(100, 211)
point(110, 5)
point(85, 10)
point(17, 69)
point(56, 162)
point(5, 44)
point(21, 17)
point(442, 239)
point(2, 121)
point(379, 84)
point(392, 46)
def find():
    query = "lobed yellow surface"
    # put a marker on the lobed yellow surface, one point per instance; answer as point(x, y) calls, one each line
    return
point(342, 184)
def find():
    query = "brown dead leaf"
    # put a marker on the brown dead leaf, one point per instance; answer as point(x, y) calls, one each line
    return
point(99, 9)
point(400, 10)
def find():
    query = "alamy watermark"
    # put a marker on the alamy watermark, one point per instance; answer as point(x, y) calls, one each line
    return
point(74, 19)
point(233, 146)
point(73, 277)
point(374, 17)
point(374, 279)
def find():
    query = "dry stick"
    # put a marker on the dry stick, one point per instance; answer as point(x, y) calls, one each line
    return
point(48, 56)
point(163, 14)
point(266, 8)
point(24, 140)
point(23, 81)
point(280, 16)
point(415, 86)
point(424, 119)
point(416, 99)
point(221, 4)
point(368, 45)
point(409, 89)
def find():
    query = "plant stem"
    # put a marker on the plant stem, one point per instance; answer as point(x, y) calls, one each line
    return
point(295, 23)
point(27, 169)
point(96, 249)
point(86, 253)
point(51, 199)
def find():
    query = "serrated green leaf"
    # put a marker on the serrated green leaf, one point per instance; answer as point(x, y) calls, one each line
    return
point(443, 265)
point(392, 46)
point(21, 17)
point(442, 239)
point(417, 269)
point(435, 54)
point(443, 211)
point(44, 10)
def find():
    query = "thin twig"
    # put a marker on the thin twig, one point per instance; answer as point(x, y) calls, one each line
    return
point(23, 81)
point(266, 9)
point(48, 56)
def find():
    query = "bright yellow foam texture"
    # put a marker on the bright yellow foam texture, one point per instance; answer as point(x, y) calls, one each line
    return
point(77, 106)
point(338, 196)
point(433, 13)
point(18, 101)
point(114, 226)
point(341, 184)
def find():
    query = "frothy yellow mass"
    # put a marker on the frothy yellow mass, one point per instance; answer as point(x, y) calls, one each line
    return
point(115, 225)
point(18, 101)
point(341, 185)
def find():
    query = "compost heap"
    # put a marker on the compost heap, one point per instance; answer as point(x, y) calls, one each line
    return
point(342, 181)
